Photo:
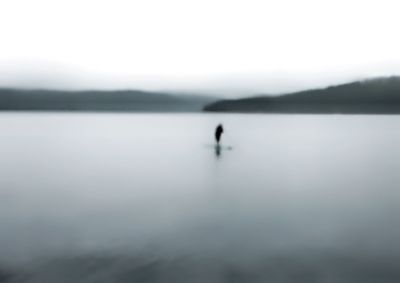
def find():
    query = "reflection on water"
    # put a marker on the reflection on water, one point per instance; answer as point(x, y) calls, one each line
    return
point(139, 198)
point(218, 151)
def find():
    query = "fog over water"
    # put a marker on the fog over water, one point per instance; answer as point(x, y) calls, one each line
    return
point(145, 198)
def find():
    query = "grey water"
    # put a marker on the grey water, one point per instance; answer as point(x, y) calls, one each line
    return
point(147, 198)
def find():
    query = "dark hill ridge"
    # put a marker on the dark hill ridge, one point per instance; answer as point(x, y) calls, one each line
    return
point(121, 100)
point(375, 96)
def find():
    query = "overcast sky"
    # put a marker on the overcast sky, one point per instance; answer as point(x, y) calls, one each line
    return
point(225, 46)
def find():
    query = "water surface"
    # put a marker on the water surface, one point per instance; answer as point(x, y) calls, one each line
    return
point(146, 198)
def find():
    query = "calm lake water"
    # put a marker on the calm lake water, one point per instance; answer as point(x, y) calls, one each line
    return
point(146, 198)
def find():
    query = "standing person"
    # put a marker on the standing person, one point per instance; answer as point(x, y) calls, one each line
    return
point(218, 132)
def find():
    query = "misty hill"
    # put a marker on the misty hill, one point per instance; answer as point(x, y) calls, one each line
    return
point(375, 96)
point(123, 100)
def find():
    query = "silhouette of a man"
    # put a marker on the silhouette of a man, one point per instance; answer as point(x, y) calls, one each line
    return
point(218, 132)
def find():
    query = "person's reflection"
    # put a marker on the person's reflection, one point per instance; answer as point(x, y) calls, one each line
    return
point(217, 151)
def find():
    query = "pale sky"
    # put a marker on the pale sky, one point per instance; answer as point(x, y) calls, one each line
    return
point(216, 46)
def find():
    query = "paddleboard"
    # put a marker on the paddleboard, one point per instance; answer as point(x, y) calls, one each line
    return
point(219, 146)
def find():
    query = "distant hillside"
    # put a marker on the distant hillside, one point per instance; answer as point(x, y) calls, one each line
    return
point(375, 96)
point(123, 100)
